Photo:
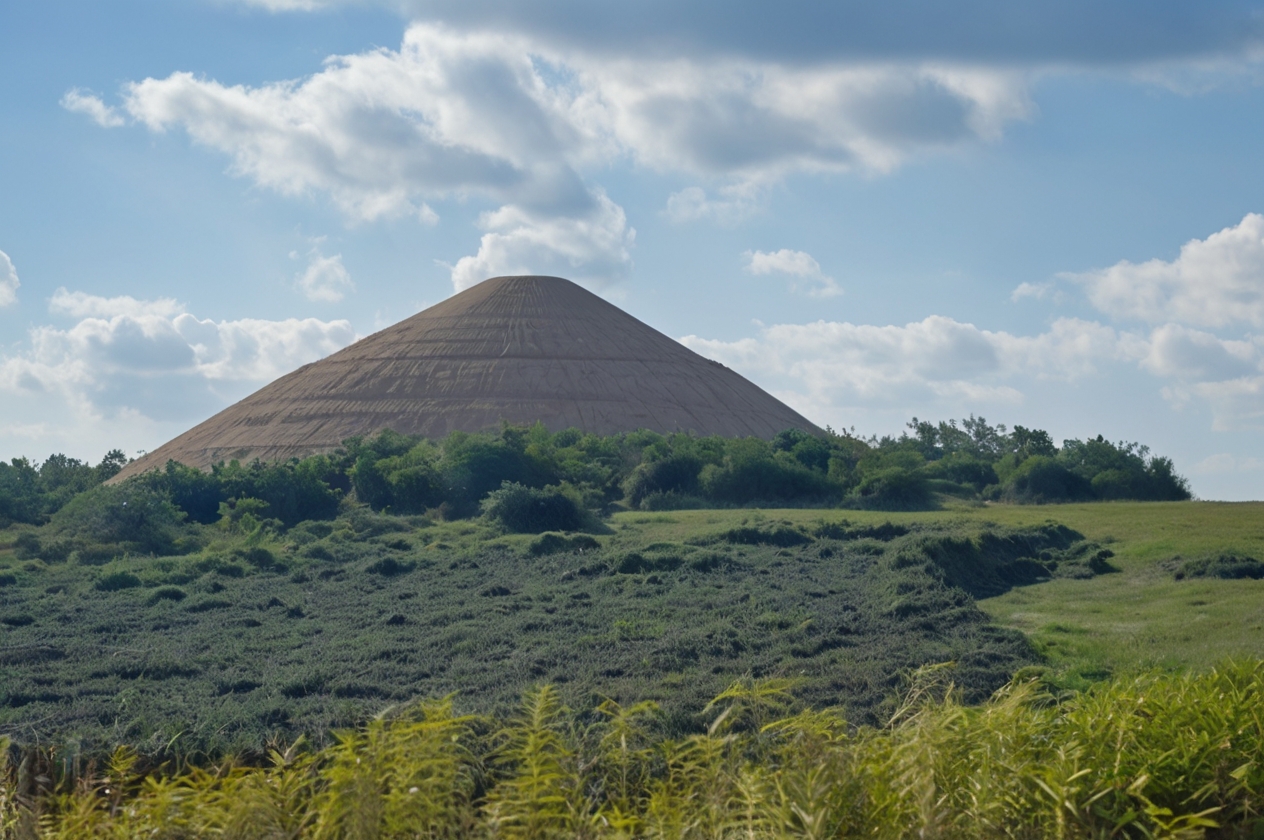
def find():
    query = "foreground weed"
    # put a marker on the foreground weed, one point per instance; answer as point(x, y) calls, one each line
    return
point(1154, 756)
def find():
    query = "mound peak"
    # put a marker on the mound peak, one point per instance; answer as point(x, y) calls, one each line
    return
point(516, 349)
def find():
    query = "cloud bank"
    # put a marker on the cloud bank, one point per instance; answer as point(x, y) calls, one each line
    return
point(156, 360)
point(523, 123)
point(1214, 282)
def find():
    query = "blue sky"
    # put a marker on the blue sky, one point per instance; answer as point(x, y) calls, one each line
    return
point(1044, 214)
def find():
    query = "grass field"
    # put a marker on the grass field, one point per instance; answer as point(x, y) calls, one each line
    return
point(1138, 617)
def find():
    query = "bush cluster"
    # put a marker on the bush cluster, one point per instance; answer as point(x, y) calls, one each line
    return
point(30, 494)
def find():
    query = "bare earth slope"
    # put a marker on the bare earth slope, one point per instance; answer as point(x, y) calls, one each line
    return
point(520, 349)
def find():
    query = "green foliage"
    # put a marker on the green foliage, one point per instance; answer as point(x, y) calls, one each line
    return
point(893, 488)
point(1041, 479)
point(116, 581)
point(526, 510)
point(1155, 755)
point(293, 491)
point(752, 471)
point(554, 543)
point(132, 516)
point(676, 473)
point(31, 494)
point(473, 466)
point(402, 475)
point(1024, 466)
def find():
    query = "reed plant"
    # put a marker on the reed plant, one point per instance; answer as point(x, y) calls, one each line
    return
point(1156, 755)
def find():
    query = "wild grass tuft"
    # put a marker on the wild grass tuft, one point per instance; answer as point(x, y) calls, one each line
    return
point(1155, 755)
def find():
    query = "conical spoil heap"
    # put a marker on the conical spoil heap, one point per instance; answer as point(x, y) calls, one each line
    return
point(516, 349)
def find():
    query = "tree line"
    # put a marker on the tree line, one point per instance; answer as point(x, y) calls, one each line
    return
point(529, 478)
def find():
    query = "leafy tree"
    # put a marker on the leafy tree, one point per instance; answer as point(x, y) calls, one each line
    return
point(474, 465)
point(963, 469)
point(31, 494)
point(1027, 442)
point(675, 473)
point(1041, 479)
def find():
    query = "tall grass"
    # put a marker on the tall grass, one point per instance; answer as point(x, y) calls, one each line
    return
point(1157, 755)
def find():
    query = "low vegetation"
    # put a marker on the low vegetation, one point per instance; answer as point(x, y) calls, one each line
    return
point(1149, 756)
point(267, 632)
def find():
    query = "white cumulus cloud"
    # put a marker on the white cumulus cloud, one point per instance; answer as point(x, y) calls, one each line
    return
point(798, 264)
point(82, 102)
point(593, 249)
point(382, 131)
point(758, 120)
point(325, 279)
point(1187, 354)
point(84, 305)
point(1225, 462)
point(155, 360)
point(1214, 282)
point(8, 281)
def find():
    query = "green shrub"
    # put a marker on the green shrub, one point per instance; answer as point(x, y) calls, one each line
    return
point(554, 543)
point(261, 558)
point(784, 536)
point(673, 501)
point(116, 581)
point(527, 510)
point(390, 567)
point(1224, 566)
point(751, 473)
point(893, 488)
point(131, 514)
point(963, 469)
point(472, 466)
point(676, 474)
